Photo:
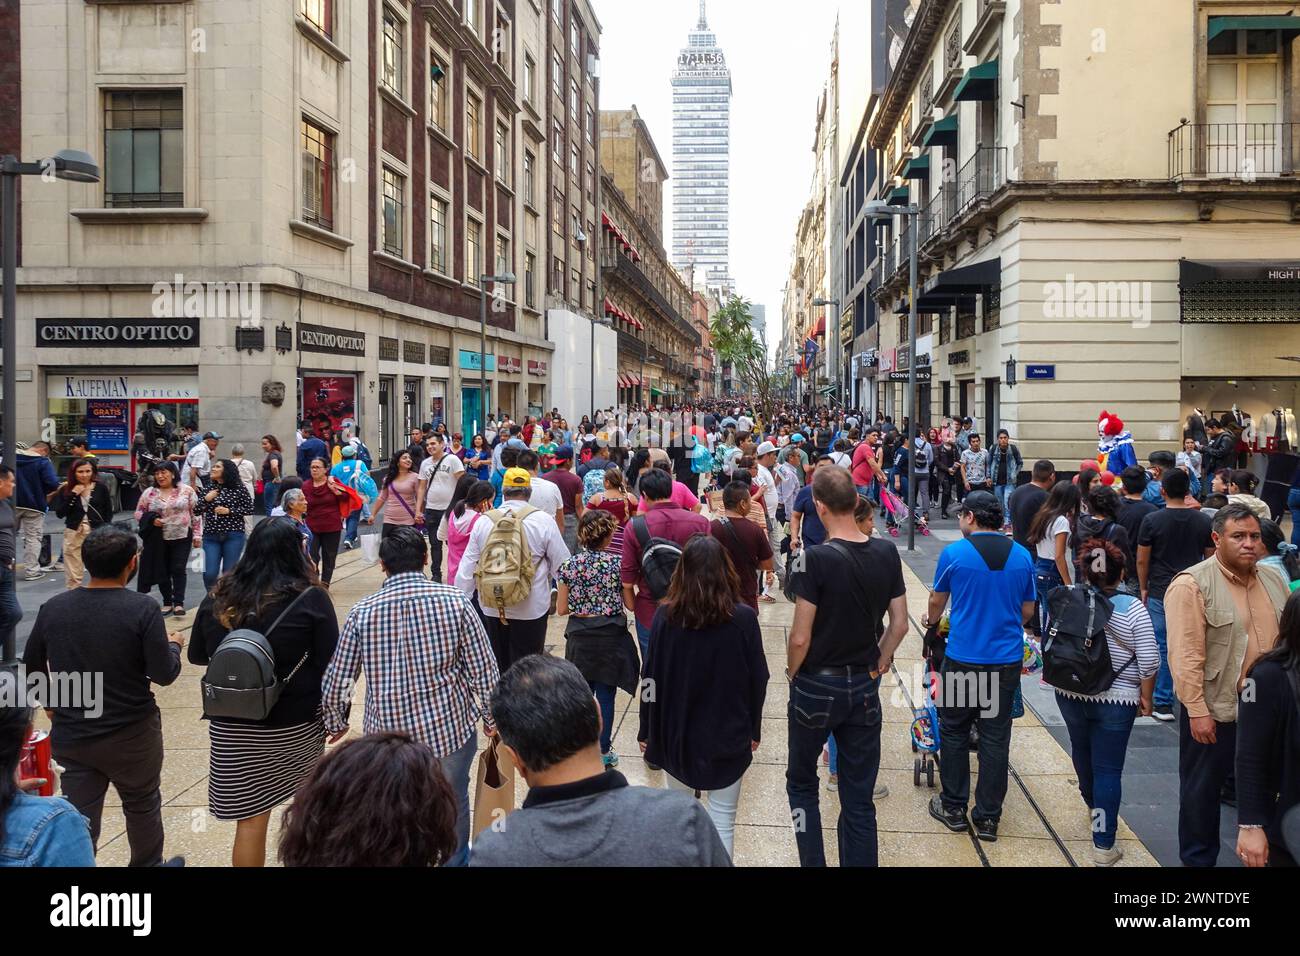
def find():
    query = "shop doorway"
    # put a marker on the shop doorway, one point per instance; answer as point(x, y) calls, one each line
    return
point(385, 419)
point(412, 413)
point(471, 410)
point(992, 409)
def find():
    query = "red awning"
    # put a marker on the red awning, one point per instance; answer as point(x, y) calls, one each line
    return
point(820, 328)
point(622, 382)
point(604, 219)
point(609, 307)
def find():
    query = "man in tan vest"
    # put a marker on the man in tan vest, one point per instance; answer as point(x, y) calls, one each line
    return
point(1222, 615)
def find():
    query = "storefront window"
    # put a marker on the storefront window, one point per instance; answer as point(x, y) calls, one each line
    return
point(385, 419)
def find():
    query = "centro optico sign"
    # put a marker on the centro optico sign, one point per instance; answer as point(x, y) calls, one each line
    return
point(113, 333)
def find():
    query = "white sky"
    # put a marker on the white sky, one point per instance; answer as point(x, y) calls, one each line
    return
point(779, 54)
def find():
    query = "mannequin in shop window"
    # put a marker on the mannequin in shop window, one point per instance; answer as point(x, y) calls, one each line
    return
point(1195, 429)
point(1279, 426)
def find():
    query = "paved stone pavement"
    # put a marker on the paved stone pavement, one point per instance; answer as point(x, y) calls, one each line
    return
point(1044, 824)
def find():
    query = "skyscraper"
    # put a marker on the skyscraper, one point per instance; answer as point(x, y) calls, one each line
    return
point(701, 157)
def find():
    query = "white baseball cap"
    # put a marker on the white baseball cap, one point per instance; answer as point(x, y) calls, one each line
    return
point(766, 448)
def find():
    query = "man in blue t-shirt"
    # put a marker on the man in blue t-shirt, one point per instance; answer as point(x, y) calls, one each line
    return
point(990, 580)
point(806, 528)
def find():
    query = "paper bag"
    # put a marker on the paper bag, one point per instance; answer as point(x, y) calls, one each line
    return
point(494, 789)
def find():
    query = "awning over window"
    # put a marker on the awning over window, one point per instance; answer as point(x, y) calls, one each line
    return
point(900, 196)
point(979, 83)
point(820, 328)
point(952, 286)
point(942, 133)
point(1194, 273)
point(917, 168)
point(1288, 25)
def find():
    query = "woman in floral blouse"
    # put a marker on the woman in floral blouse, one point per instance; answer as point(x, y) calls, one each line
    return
point(169, 525)
point(224, 504)
point(597, 640)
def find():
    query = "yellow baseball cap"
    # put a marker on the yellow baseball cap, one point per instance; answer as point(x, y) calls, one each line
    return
point(516, 478)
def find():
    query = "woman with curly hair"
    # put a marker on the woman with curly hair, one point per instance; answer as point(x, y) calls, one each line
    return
point(410, 810)
point(596, 639)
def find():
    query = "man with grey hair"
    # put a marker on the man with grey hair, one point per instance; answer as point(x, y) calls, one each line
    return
point(1222, 615)
point(578, 813)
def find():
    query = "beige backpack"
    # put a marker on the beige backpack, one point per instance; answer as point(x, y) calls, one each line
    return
point(505, 566)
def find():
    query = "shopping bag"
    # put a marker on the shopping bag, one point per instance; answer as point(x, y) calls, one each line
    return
point(197, 564)
point(494, 790)
point(369, 548)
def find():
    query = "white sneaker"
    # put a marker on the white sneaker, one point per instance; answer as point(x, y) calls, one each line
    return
point(33, 574)
point(1106, 857)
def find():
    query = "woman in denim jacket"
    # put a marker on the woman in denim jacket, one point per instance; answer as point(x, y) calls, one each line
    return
point(35, 831)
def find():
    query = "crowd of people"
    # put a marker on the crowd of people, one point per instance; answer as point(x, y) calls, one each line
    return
point(657, 538)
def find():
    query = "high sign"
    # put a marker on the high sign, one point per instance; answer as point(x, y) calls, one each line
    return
point(118, 333)
point(318, 338)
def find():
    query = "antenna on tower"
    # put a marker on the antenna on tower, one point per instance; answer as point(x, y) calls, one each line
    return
point(704, 20)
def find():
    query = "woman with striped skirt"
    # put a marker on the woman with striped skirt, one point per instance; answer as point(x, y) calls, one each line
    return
point(256, 765)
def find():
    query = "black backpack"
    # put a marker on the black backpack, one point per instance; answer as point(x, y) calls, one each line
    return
point(1076, 654)
point(659, 558)
point(240, 681)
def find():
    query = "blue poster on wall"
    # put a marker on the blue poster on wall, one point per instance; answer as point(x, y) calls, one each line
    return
point(108, 425)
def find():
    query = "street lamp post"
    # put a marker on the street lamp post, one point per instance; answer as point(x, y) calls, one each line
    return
point(834, 342)
point(74, 166)
point(876, 210)
point(505, 279)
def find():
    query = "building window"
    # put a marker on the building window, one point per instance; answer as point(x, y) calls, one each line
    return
point(394, 52)
point(557, 75)
point(557, 275)
point(503, 153)
point(474, 126)
point(439, 92)
point(530, 280)
point(557, 211)
point(438, 245)
point(530, 79)
point(472, 16)
point(144, 148)
point(591, 183)
point(573, 161)
point(394, 212)
point(319, 13)
point(575, 101)
point(501, 43)
point(317, 175)
point(557, 10)
point(474, 251)
point(591, 125)
point(504, 265)
point(575, 38)
point(530, 178)
point(558, 149)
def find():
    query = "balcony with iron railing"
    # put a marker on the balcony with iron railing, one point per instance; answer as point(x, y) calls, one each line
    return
point(982, 175)
point(619, 265)
point(1246, 151)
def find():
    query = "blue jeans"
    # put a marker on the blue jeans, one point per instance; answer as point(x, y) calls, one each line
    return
point(1046, 576)
point(220, 552)
point(1164, 692)
point(849, 707)
point(1003, 493)
point(1293, 505)
point(456, 767)
point(834, 754)
point(1099, 735)
point(350, 527)
point(270, 491)
point(604, 694)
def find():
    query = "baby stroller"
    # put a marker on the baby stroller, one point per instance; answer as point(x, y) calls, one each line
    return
point(897, 512)
point(925, 720)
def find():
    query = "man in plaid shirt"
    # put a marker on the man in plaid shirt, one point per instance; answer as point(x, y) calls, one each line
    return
point(430, 671)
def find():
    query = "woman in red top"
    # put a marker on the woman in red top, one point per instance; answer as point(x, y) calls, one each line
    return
point(617, 501)
point(323, 517)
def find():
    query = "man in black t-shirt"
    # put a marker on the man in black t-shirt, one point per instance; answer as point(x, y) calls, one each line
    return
point(838, 648)
point(1170, 540)
point(745, 541)
point(1133, 508)
point(1027, 499)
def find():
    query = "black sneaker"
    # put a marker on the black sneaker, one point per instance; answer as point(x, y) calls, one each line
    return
point(1162, 712)
point(954, 820)
point(986, 830)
